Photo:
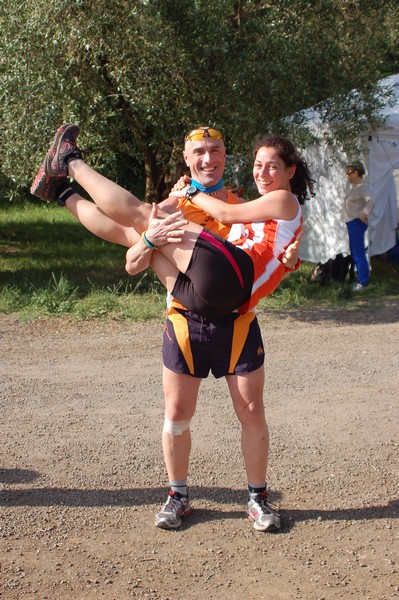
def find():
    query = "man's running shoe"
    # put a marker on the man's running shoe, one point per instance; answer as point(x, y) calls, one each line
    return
point(259, 511)
point(175, 508)
point(63, 145)
point(49, 188)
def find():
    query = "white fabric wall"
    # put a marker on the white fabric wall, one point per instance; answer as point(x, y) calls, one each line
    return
point(383, 160)
point(325, 233)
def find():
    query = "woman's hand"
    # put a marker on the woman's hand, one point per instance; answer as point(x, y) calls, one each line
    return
point(181, 183)
point(291, 255)
point(180, 193)
point(165, 230)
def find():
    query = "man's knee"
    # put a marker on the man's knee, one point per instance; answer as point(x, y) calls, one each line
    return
point(176, 427)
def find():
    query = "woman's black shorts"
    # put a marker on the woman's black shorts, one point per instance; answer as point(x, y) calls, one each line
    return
point(219, 277)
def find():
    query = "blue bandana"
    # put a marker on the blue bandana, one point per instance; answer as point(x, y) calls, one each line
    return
point(205, 189)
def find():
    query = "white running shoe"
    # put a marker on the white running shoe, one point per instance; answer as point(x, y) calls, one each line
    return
point(259, 511)
point(175, 508)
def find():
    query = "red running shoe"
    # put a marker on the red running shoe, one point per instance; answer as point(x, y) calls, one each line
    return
point(64, 144)
point(49, 188)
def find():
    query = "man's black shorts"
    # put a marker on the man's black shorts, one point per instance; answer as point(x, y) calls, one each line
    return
point(228, 345)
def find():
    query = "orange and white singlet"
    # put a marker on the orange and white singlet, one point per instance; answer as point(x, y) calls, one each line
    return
point(265, 243)
point(197, 215)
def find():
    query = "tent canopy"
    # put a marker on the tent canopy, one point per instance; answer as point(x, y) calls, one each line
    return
point(325, 233)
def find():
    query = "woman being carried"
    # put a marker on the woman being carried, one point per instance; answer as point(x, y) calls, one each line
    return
point(211, 276)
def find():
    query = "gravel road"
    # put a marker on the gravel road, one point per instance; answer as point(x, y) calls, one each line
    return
point(81, 470)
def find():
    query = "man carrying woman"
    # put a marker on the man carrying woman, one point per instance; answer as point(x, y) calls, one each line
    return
point(242, 364)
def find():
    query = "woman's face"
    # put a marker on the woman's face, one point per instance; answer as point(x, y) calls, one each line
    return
point(270, 171)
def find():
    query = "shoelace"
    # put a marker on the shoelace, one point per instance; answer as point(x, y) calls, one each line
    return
point(172, 503)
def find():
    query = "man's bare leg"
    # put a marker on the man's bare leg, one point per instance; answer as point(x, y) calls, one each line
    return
point(181, 392)
point(247, 394)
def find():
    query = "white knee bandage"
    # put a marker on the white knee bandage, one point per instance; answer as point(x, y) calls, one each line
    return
point(175, 427)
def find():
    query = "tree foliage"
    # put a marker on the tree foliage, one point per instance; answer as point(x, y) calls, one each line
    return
point(137, 74)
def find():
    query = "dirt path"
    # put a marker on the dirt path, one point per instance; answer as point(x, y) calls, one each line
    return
point(81, 469)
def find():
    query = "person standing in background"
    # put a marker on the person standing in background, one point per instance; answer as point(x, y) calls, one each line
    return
point(358, 206)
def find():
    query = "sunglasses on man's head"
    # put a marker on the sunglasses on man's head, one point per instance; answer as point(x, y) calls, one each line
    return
point(203, 132)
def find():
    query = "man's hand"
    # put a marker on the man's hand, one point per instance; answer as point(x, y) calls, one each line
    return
point(168, 230)
point(364, 218)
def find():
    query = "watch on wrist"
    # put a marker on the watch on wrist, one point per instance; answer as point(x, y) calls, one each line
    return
point(191, 191)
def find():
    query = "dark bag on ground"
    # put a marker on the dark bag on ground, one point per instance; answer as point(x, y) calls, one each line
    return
point(339, 269)
point(393, 254)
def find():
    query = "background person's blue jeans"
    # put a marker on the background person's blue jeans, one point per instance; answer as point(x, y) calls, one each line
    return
point(356, 232)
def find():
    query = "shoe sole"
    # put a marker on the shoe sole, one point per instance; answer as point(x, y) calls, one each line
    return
point(55, 147)
point(39, 183)
point(271, 527)
point(164, 525)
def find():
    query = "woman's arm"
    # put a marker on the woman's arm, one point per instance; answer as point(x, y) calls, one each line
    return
point(279, 204)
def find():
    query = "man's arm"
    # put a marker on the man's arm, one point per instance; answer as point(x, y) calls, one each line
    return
point(138, 258)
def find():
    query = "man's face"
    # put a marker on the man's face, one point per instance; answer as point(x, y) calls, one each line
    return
point(206, 160)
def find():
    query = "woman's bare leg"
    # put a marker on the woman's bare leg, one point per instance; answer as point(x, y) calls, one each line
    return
point(119, 204)
point(100, 224)
point(96, 221)
point(124, 208)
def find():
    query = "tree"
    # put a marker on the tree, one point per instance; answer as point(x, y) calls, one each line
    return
point(137, 74)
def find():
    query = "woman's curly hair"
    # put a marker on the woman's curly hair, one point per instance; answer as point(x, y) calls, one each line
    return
point(302, 182)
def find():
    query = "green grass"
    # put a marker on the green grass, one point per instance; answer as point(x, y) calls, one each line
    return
point(296, 290)
point(51, 266)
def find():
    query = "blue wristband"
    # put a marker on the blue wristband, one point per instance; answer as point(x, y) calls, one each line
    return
point(147, 241)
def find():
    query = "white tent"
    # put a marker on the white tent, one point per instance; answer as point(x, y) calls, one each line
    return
point(325, 233)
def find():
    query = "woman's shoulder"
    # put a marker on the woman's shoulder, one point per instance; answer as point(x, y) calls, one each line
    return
point(284, 203)
point(279, 195)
